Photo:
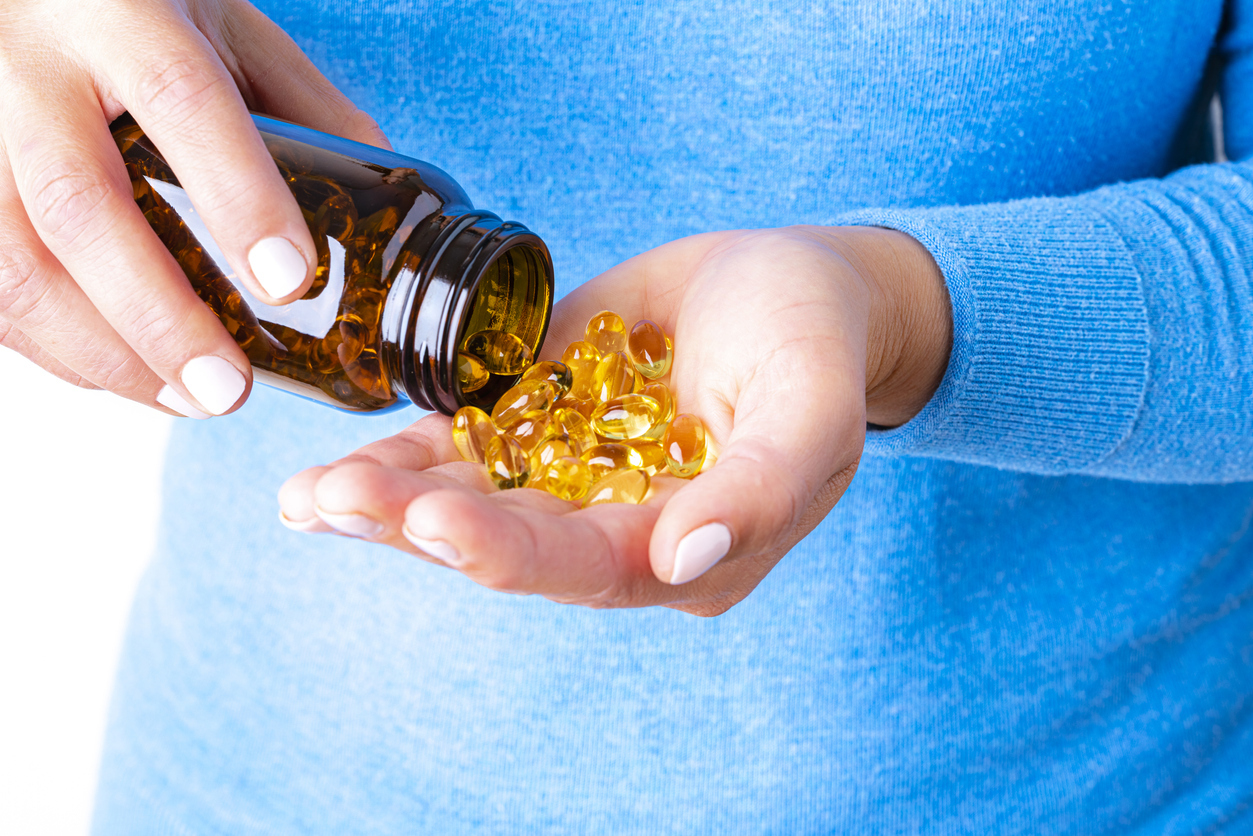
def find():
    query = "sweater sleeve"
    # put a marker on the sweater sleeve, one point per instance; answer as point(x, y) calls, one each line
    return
point(1109, 333)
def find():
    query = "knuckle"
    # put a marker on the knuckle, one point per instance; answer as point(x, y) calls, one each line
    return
point(358, 123)
point(66, 199)
point(21, 291)
point(178, 89)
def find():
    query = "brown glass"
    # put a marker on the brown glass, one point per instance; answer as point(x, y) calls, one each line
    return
point(407, 269)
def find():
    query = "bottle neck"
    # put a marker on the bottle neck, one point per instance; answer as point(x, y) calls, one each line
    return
point(457, 274)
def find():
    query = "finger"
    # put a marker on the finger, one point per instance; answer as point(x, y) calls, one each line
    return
point(285, 83)
point(79, 200)
point(181, 94)
point(15, 340)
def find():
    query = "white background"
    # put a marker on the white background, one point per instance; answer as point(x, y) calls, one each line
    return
point(79, 496)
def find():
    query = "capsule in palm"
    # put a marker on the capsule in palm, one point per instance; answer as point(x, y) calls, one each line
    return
point(527, 396)
point(615, 376)
point(567, 477)
point(558, 374)
point(575, 428)
point(607, 332)
point(472, 374)
point(500, 351)
point(582, 358)
point(625, 486)
point(531, 429)
point(685, 445)
point(608, 457)
point(508, 465)
point(652, 455)
point(627, 416)
point(650, 349)
point(548, 451)
point(471, 430)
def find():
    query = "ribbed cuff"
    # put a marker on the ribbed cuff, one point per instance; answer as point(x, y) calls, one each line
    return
point(1050, 337)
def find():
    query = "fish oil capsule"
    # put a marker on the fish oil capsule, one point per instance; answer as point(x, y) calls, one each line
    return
point(615, 376)
point(584, 407)
point(500, 351)
point(660, 392)
point(472, 429)
point(606, 458)
point(531, 429)
point(607, 332)
point(527, 396)
point(548, 451)
point(652, 455)
point(628, 416)
point(685, 446)
point(508, 465)
point(576, 429)
point(471, 373)
point(626, 486)
point(567, 478)
point(582, 358)
point(558, 374)
point(650, 349)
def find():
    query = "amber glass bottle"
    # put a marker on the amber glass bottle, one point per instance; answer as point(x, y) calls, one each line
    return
point(407, 272)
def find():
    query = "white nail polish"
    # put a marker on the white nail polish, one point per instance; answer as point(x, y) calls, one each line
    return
point(170, 399)
point(699, 551)
point(278, 266)
point(354, 525)
point(212, 381)
point(312, 525)
point(439, 549)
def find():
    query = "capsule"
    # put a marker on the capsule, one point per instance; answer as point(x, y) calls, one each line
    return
point(685, 446)
point(508, 465)
point(567, 478)
point(531, 429)
point(615, 376)
point(472, 429)
point(575, 428)
point(527, 396)
point(650, 349)
point(584, 407)
point(660, 392)
point(500, 351)
point(558, 374)
point(582, 358)
point(627, 416)
point(652, 455)
point(607, 332)
point(472, 374)
point(629, 486)
point(548, 451)
point(606, 458)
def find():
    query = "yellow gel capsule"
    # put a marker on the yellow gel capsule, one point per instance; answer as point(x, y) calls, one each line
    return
point(575, 428)
point(527, 396)
point(500, 351)
point(615, 376)
point(628, 416)
point(558, 374)
point(652, 454)
point(685, 446)
point(660, 392)
point(567, 478)
point(471, 430)
point(471, 373)
point(650, 349)
point(579, 405)
point(531, 429)
point(508, 465)
point(606, 458)
point(548, 451)
point(582, 358)
point(607, 332)
point(629, 486)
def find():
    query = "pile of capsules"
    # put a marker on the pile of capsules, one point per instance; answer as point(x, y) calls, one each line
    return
point(592, 428)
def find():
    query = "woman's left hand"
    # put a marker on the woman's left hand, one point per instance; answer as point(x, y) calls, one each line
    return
point(786, 342)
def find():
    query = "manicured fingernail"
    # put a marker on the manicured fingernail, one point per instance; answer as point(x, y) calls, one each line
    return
point(313, 525)
point(699, 551)
point(439, 549)
point(278, 266)
point(356, 525)
point(212, 381)
point(170, 399)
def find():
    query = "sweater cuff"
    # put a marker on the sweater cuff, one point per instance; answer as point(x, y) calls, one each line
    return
point(1050, 337)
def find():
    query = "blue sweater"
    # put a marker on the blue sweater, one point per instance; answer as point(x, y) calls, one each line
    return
point(1032, 612)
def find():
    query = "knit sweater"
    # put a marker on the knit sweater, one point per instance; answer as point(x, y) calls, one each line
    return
point(1031, 613)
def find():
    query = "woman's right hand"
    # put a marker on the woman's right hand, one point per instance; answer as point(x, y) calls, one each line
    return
point(87, 291)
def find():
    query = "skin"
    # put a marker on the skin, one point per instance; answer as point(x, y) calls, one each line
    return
point(787, 342)
point(87, 291)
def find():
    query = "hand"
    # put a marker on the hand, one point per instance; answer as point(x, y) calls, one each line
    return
point(786, 342)
point(86, 289)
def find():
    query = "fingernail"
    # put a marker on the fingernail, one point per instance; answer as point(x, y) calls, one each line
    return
point(278, 266)
point(170, 399)
point(212, 381)
point(699, 551)
point(356, 525)
point(439, 549)
point(313, 525)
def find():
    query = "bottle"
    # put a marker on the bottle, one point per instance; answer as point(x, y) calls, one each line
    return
point(407, 272)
